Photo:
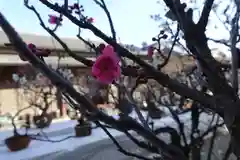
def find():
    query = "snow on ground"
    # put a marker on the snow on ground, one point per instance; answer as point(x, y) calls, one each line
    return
point(58, 126)
point(38, 148)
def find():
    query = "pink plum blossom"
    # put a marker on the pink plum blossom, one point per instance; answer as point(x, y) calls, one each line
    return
point(54, 19)
point(90, 20)
point(106, 69)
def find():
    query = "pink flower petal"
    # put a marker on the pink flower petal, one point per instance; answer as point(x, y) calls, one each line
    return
point(117, 72)
point(109, 51)
point(106, 78)
point(104, 62)
point(95, 71)
point(116, 59)
point(99, 59)
point(106, 69)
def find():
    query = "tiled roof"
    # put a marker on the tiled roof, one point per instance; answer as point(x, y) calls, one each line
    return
point(13, 60)
point(74, 44)
point(49, 42)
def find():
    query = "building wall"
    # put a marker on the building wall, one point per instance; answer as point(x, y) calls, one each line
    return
point(12, 100)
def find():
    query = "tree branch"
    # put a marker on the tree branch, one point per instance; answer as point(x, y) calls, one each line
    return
point(235, 57)
point(104, 7)
point(65, 86)
point(160, 77)
point(221, 41)
point(54, 35)
point(171, 49)
point(142, 144)
point(120, 148)
point(200, 49)
point(203, 21)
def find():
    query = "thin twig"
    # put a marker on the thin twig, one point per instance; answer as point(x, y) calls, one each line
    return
point(119, 146)
point(103, 5)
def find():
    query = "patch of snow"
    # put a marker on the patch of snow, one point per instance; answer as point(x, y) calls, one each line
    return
point(204, 123)
point(38, 148)
point(58, 126)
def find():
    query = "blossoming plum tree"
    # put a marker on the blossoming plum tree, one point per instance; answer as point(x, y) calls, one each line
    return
point(223, 101)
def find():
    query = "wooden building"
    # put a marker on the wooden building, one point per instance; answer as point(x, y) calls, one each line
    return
point(10, 96)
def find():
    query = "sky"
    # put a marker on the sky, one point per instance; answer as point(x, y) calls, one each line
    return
point(131, 19)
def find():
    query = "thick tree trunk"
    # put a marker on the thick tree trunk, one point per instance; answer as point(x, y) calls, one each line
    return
point(235, 136)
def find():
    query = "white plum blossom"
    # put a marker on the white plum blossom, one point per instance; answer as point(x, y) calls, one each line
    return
point(21, 80)
point(66, 73)
point(39, 76)
point(15, 77)
point(41, 80)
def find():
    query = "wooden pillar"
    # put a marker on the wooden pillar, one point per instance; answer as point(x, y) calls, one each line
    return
point(60, 103)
